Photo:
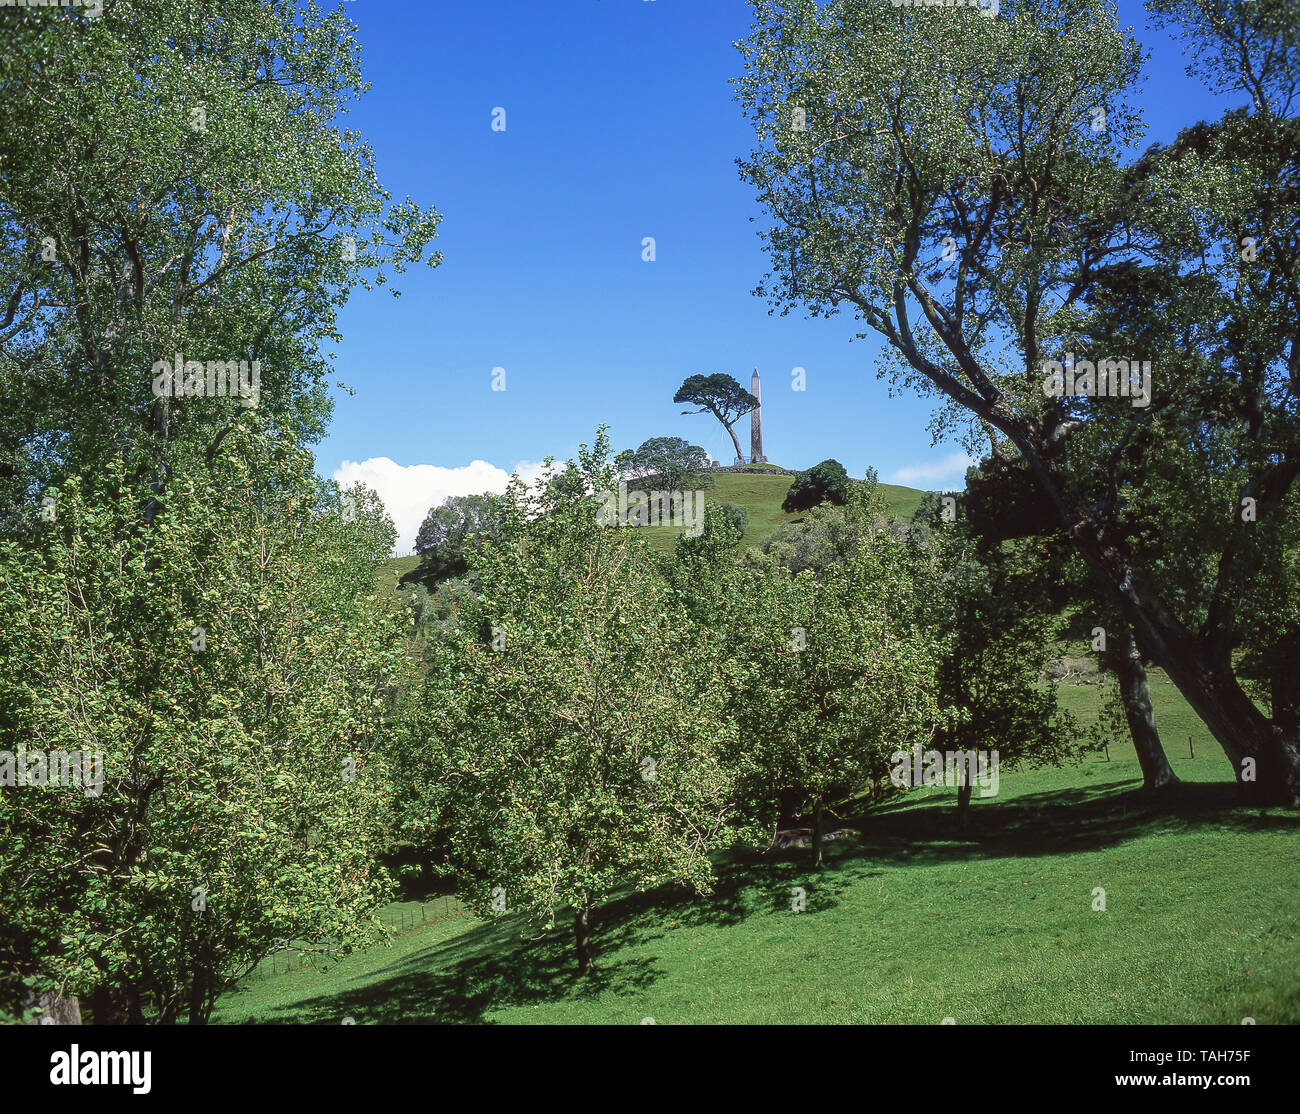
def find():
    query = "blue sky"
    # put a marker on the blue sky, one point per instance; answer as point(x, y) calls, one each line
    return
point(620, 124)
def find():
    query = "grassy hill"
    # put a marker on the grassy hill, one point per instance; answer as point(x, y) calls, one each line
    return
point(759, 494)
point(910, 923)
point(762, 497)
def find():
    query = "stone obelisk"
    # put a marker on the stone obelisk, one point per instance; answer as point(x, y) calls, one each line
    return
point(756, 423)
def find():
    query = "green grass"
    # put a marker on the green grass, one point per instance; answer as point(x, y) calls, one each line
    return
point(762, 497)
point(911, 923)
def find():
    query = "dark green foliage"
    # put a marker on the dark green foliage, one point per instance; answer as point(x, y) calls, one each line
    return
point(825, 536)
point(448, 530)
point(826, 482)
point(735, 515)
point(719, 537)
point(673, 462)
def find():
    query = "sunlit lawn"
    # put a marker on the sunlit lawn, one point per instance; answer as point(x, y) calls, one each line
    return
point(909, 924)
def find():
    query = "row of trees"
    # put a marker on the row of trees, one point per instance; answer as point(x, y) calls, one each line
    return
point(600, 716)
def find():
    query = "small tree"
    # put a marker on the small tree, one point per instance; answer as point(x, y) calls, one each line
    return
point(673, 461)
point(836, 674)
point(229, 664)
point(991, 609)
point(825, 536)
point(447, 531)
point(826, 482)
point(720, 395)
point(571, 733)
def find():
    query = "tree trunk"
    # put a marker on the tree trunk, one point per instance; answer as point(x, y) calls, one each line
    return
point(1284, 682)
point(740, 456)
point(964, 791)
point(114, 1006)
point(817, 837)
point(582, 939)
point(1136, 698)
point(199, 999)
point(57, 1010)
point(1265, 757)
point(787, 801)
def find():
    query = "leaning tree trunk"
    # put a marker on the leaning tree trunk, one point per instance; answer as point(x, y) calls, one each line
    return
point(1135, 695)
point(1265, 756)
point(740, 456)
point(582, 939)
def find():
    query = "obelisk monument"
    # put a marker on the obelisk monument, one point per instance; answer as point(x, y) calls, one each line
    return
point(756, 423)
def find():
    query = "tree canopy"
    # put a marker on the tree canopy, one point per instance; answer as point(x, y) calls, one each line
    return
point(720, 395)
point(955, 191)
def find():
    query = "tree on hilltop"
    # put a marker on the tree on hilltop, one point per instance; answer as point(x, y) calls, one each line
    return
point(720, 395)
point(673, 460)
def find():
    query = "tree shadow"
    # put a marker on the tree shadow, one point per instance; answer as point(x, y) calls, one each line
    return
point(496, 963)
point(1057, 821)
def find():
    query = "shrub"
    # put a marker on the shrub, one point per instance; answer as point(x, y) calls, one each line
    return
point(826, 482)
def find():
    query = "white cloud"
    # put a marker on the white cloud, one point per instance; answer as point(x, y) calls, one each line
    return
point(949, 471)
point(409, 490)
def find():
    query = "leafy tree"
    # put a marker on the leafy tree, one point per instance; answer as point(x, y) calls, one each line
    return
point(231, 661)
point(258, 214)
point(254, 216)
point(735, 515)
point(1001, 504)
point(826, 482)
point(568, 484)
point(571, 733)
point(447, 531)
point(673, 461)
point(720, 395)
point(717, 542)
point(993, 608)
point(980, 234)
point(824, 536)
point(828, 677)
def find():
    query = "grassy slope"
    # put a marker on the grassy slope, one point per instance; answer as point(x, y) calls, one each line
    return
point(910, 924)
point(760, 495)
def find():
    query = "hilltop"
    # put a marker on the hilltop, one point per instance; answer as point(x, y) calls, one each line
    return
point(760, 494)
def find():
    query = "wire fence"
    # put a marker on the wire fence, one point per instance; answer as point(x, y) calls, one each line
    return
point(402, 919)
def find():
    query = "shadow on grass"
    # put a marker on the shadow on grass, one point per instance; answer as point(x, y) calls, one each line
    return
point(1065, 820)
point(495, 964)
